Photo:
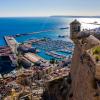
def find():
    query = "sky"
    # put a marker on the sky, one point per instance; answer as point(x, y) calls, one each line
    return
point(14, 8)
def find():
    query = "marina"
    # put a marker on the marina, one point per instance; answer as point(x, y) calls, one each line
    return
point(49, 47)
point(29, 48)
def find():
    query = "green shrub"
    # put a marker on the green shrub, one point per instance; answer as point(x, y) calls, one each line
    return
point(96, 50)
point(97, 58)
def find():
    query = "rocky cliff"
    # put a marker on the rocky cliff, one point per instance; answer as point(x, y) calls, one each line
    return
point(83, 84)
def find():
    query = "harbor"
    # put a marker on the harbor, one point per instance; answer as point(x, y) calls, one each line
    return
point(57, 49)
point(38, 71)
point(27, 55)
point(35, 62)
point(31, 72)
point(50, 48)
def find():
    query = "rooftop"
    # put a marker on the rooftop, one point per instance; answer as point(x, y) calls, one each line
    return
point(76, 22)
point(32, 57)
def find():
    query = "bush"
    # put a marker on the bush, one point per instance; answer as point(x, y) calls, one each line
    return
point(97, 58)
point(96, 50)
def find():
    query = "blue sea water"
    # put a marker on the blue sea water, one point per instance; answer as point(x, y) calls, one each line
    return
point(11, 26)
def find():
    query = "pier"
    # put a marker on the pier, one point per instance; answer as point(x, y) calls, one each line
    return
point(12, 43)
point(49, 30)
point(56, 55)
point(66, 50)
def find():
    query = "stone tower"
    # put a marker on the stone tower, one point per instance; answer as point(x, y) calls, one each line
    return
point(75, 28)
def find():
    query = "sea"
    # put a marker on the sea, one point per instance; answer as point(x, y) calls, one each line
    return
point(19, 25)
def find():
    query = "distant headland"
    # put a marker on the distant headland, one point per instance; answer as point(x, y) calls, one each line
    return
point(77, 16)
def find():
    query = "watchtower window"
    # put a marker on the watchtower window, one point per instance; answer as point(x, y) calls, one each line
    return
point(79, 28)
point(76, 28)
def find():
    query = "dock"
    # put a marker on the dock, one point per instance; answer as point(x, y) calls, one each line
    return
point(42, 31)
point(56, 55)
point(12, 43)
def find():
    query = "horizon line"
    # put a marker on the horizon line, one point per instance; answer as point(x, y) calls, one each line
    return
point(55, 16)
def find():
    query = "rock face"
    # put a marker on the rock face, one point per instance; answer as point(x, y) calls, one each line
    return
point(82, 87)
point(57, 89)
